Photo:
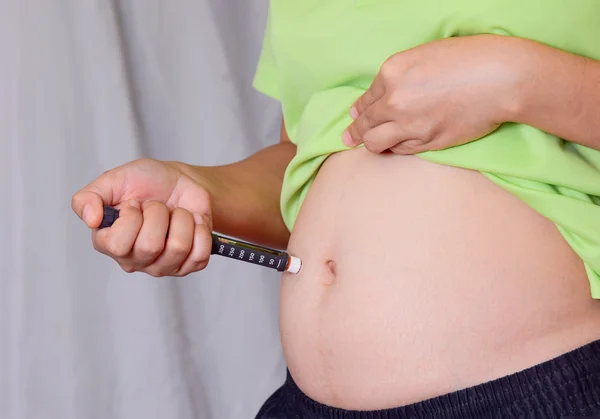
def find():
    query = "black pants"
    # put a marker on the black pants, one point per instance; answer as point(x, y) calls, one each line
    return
point(567, 387)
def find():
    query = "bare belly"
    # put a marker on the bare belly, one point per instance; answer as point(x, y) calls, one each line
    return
point(419, 280)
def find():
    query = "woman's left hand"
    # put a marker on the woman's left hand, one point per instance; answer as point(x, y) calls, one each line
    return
point(440, 94)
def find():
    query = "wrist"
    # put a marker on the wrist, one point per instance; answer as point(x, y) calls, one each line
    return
point(232, 211)
point(209, 178)
point(520, 85)
point(203, 176)
point(545, 79)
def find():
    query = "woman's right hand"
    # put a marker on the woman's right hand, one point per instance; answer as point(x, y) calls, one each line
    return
point(165, 221)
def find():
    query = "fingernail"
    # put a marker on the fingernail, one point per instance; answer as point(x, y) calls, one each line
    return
point(135, 204)
point(198, 218)
point(86, 214)
point(347, 139)
point(353, 113)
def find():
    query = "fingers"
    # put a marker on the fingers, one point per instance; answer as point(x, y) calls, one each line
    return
point(88, 206)
point(410, 146)
point(390, 136)
point(373, 116)
point(201, 247)
point(156, 241)
point(118, 241)
point(373, 94)
point(177, 246)
point(88, 202)
point(150, 242)
point(368, 111)
point(383, 137)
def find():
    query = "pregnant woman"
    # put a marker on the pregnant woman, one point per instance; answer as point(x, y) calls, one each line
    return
point(439, 176)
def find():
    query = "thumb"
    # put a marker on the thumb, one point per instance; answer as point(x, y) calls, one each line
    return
point(88, 203)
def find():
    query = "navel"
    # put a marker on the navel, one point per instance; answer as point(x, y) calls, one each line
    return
point(330, 274)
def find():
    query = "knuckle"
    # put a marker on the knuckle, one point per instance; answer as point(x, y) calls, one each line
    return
point(371, 141)
point(370, 145)
point(179, 247)
point(396, 100)
point(387, 67)
point(200, 259)
point(367, 118)
point(97, 246)
point(116, 250)
point(358, 105)
point(201, 265)
point(128, 267)
point(151, 249)
point(75, 201)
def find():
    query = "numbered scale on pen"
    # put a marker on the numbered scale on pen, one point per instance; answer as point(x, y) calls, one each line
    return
point(249, 253)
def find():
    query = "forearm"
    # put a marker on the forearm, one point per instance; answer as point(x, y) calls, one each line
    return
point(560, 94)
point(245, 195)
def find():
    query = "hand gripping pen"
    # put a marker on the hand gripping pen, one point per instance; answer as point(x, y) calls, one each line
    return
point(234, 249)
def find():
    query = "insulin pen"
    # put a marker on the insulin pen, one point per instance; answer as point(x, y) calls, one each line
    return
point(235, 249)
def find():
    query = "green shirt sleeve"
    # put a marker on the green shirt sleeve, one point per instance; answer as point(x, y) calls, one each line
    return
point(265, 78)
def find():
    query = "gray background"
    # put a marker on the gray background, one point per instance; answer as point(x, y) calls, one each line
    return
point(87, 85)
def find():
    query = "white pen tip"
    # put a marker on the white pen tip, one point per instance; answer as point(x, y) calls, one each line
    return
point(295, 265)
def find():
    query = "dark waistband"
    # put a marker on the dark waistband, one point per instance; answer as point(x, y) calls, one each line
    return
point(566, 386)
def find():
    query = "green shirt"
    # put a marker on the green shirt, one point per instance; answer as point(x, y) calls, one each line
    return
point(319, 56)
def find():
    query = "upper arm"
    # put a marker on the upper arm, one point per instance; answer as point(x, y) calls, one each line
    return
point(266, 78)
